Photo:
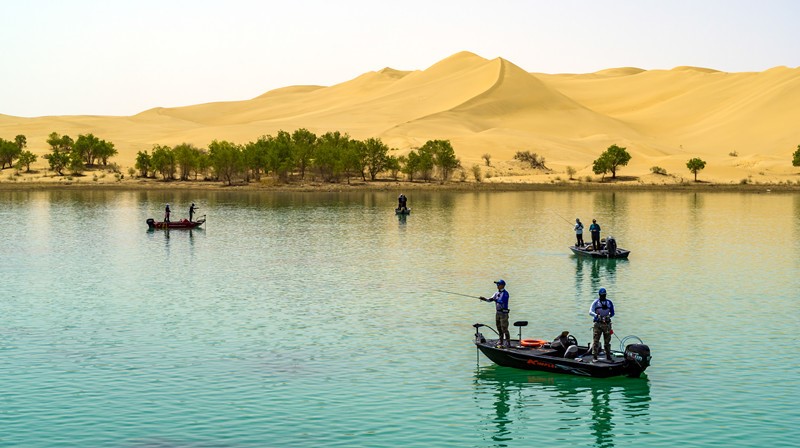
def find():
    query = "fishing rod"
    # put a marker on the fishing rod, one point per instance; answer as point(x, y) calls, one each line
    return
point(565, 219)
point(457, 294)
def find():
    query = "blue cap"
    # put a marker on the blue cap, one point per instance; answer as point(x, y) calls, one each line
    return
point(501, 282)
point(602, 291)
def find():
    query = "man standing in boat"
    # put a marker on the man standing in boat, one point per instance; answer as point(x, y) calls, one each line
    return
point(500, 298)
point(578, 233)
point(595, 231)
point(602, 310)
point(192, 208)
point(166, 213)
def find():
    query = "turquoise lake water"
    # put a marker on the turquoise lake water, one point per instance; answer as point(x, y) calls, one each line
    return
point(295, 320)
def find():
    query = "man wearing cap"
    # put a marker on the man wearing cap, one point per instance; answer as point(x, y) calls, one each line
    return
point(166, 213)
point(594, 229)
point(602, 310)
point(191, 211)
point(500, 298)
point(579, 233)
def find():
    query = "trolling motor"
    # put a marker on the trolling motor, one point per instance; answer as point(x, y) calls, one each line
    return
point(479, 339)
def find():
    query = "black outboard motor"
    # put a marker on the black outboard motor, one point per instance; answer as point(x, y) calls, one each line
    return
point(151, 223)
point(637, 358)
point(611, 246)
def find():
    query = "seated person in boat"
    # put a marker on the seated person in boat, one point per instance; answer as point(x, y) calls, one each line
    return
point(561, 343)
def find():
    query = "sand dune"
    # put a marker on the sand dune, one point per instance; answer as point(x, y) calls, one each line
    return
point(663, 117)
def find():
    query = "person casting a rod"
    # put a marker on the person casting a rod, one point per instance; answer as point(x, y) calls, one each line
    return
point(501, 316)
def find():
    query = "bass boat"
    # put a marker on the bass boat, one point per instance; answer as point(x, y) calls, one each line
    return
point(608, 249)
point(182, 224)
point(536, 354)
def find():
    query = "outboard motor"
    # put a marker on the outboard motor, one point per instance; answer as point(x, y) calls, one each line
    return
point(637, 358)
point(611, 246)
point(151, 223)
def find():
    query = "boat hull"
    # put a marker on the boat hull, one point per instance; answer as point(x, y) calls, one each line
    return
point(182, 224)
point(603, 253)
point(548, 360)
point(398, 211)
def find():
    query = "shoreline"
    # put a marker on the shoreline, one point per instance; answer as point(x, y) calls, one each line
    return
point(386, 185)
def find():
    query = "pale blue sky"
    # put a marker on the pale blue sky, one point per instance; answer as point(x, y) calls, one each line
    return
point(107, 57)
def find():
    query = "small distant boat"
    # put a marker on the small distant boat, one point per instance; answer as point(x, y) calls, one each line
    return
point(608, 249)
point(182, 224)
point(533, 354)
point(402, 211)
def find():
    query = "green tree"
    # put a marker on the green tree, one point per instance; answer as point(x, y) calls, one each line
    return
point(410, 163)
point(353, 159)
point(425, 163)
point(613, 158)
point(796, 157)
point(21, 142)
point(329, 160)
point(9, 151)
point(443, 157)
point(25, 159)
point(87, 146)
point(254, 155)
point(695, 165)
point(143, 163)
point(60, 156)
point(304, 144)
point(105, 151)
point(203, 163)
point(393, 165)
point(227, 160)
point(76, 165)
point(377, 156)
point(279, 155)
point(185, 159)
point(163, 161)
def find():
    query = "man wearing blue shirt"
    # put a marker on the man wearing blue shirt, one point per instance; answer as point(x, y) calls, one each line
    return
point(594, 229)
point(602, 310)
point(500, 298)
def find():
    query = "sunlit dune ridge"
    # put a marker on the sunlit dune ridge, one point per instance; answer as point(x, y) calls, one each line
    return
point(739, 123)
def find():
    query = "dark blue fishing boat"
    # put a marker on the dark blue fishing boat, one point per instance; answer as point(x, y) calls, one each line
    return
point(608, 249)
point(534, 354)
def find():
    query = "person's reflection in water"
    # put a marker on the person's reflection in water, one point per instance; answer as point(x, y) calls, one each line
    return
point(602, 271)
point(402, 219)
point(602, 426)
point(501, 409)
point(578, 404)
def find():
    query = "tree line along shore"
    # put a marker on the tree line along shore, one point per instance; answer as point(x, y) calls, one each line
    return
point(295, 159)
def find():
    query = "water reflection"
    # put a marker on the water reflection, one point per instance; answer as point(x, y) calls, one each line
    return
point(602, 272)
point(601, 407)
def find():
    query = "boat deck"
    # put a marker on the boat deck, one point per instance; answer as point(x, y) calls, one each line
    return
point(584, 355)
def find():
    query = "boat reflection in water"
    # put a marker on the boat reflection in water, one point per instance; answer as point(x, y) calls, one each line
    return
point(561, 410)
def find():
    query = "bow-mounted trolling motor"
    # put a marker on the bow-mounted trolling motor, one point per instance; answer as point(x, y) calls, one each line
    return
point(479, 339)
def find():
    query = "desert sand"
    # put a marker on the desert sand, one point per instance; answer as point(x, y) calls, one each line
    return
point(744, 125)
